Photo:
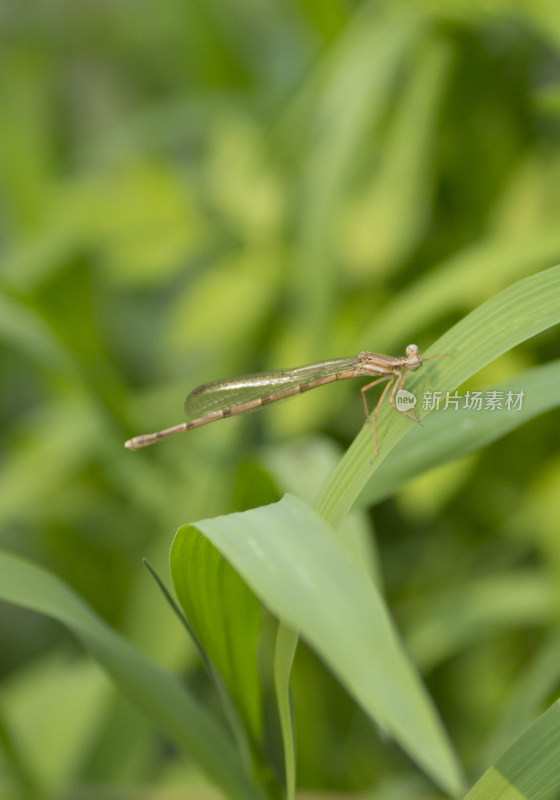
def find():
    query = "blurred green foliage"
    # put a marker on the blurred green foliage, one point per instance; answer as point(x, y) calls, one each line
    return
point(190, 191)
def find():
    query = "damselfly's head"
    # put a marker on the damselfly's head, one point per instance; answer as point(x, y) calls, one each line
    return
point(413, 357)
point(414, 360)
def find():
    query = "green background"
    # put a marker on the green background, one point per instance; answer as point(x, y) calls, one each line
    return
point(190, 191)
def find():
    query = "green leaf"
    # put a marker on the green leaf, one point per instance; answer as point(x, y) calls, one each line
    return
point(230, 710)
point(284, 654)
point(226, 618)
point(530, 769)
point(515, 314)
point(157, 693)
point(301, 467)
point(296, 566)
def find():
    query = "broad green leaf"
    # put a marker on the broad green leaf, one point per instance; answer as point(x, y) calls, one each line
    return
point(455, 432)
point(226, 619)
point(157, 693)
point(530, 769)
point(296, 566)
point(515, 314)
point(192, 602)
point(301, 468)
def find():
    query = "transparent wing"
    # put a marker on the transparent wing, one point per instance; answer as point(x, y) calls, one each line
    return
point(235, 392)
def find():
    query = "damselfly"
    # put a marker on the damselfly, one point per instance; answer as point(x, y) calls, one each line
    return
point(214, 401)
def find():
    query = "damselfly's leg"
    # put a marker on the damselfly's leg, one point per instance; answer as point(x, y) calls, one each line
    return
point(399, 385)
point(389, 379)
point(369, 386)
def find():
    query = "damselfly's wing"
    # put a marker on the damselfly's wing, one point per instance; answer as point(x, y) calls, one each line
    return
point(235, 392)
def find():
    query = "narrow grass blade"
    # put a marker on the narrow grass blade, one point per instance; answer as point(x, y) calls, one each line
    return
point(284, 652)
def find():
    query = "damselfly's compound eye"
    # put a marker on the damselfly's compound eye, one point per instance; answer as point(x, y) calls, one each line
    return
point(413, 360)
point(412, 350)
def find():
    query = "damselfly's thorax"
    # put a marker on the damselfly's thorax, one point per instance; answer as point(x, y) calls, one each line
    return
point(377, 364)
